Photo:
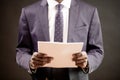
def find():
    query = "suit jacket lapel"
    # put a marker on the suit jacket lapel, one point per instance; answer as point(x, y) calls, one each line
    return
point(73, 19)
point(44, 19)
point(45, 23)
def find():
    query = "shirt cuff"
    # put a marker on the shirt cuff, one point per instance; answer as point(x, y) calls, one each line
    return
point(86, 69)
point(32, 71)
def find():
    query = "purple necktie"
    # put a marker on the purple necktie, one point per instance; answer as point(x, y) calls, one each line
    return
point(58, 37)
point(59, 73)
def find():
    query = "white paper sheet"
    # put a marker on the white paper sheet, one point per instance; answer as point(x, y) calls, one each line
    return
point(61, 52)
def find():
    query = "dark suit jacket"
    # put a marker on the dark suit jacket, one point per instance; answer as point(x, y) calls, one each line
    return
point(84, 26)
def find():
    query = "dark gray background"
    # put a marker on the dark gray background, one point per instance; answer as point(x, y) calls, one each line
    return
point(109, 12)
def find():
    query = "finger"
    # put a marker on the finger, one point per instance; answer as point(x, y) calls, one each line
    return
point(33, 66)
point(41, 58)
point(82, 65)
point(41, 55)
point(46, 60)
point(36, 61)
point(81, 58)
point(83, 55)
point(35, 58)
point(80, 54)
point(74, 59)
point(77, 55)
point(49, 59)
point(81, 61)
point(40, 63)
point(37, 54)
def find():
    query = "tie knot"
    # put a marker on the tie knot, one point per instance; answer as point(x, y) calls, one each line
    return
point(59, 6)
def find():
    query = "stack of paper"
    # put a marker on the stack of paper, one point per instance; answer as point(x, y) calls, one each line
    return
point(61, 52)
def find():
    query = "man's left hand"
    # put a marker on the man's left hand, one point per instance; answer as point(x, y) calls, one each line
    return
point(81, 59)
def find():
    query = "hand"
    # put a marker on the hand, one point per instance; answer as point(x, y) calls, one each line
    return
point(39, 59)
point(81, 59)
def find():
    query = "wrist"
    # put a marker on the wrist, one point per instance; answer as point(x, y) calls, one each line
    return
point(32, 69)
point(86, 69)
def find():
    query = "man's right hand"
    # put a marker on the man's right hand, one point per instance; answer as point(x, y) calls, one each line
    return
point(39, 59)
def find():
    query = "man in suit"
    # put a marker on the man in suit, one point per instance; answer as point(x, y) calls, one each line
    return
point(80, 22)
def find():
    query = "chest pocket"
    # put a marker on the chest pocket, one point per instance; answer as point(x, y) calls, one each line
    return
point(81, 32)
point(81, 27)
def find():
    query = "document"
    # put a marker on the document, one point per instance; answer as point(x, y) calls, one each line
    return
point(61, 52)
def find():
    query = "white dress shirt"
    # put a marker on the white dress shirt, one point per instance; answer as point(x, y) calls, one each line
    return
point(51, 18)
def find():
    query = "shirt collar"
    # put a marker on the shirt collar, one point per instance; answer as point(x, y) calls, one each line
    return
point(53, 3)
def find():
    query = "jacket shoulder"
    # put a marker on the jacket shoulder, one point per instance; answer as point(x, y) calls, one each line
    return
point(86, 5)
point(33, 6)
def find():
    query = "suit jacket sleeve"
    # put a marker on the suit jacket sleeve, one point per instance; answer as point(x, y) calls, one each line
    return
point(24, 47)
point(95, 43)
